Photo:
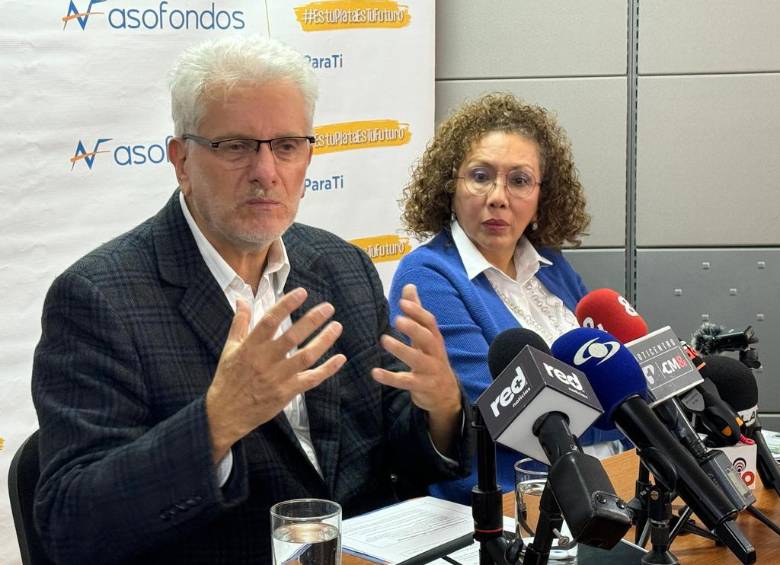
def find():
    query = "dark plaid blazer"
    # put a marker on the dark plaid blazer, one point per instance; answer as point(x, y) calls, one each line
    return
point(131, 336)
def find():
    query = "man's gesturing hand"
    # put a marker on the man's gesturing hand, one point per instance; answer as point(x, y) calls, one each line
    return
point(255, 379)
point(431, 381)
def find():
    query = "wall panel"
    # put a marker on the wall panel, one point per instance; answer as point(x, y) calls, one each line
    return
point(526, 38)
point(709, 36)
point(734, 288)
point(707, 163)
point(600, 268)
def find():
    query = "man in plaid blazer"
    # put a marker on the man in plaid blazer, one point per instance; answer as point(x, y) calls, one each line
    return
point(188, 376)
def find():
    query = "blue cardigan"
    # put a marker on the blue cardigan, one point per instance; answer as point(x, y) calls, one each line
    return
point(470, 315)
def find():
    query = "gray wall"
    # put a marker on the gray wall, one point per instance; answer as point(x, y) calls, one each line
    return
point(674, 115)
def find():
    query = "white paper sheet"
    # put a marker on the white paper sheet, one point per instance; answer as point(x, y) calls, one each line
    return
point(402, 531)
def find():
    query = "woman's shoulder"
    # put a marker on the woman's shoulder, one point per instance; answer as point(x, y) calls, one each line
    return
point(551, 253)
point(561, 278)
point(556, 257)
point(438, 251)
point(434, 263)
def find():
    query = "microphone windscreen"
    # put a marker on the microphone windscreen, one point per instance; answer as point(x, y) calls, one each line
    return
point(611, 369)
point(604, 308)
point(508, 344)
point(703, 339)
point(735, 382)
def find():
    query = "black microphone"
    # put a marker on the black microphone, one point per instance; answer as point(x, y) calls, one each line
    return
point(714, 417)
point(711, 338)
point(710, 414)
point(736, 382)
point(538, 405)
point(620, 385)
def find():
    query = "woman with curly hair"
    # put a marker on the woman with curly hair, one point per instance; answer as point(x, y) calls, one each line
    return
point(499, 193)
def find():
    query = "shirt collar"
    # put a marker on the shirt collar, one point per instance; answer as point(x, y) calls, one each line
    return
point(277, 262)
point(527, 259)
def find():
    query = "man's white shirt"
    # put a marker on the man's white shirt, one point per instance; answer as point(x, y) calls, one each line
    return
point(269, 291)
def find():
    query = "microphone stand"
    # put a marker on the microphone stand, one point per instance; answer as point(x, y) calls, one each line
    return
point(659, 516)
point(653, 508)
point(639, 504)
point(682, 523)
point(486, 504)
point(659, 512)
point(486, 508)
point(763, 518)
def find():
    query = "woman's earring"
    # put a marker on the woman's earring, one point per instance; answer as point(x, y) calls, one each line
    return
point(534, 226)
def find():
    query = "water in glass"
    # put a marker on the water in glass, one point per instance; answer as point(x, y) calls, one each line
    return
point(313, 543)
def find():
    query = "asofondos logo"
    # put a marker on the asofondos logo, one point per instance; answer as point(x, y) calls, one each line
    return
point(148, 16)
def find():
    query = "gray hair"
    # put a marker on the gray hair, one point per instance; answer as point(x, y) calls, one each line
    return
point(214, 67)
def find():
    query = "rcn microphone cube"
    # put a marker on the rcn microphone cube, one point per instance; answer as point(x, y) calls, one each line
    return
point(667, 368)
point(532, 384)
point(743, 457)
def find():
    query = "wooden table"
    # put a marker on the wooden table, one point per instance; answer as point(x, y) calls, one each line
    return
point(689, 549)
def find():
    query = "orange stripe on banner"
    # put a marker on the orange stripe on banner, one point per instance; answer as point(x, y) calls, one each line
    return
point(66, 19)
point(360, 135)
point(352, 14)
point(85, 155)
point(382, 248)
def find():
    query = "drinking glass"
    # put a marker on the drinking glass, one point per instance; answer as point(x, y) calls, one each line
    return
point(530, 480)
point(306, 531)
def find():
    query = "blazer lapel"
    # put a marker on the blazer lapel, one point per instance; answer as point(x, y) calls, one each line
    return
point(206, 309)
point(322, 402)
point(203, 304)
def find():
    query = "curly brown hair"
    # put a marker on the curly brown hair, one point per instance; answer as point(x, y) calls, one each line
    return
point(427, 199)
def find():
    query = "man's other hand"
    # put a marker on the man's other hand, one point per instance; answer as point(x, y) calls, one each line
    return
point(431, 381)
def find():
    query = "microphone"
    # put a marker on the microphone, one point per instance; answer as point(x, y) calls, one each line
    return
point(607, 310)
point(611, 312)
point(508, 344)
point(527, 381)
point(711, 338)
point(669, 372)
point(620, 386)
point(538, 405)
point(713, 415)
point(666, 367)
point(736, 382)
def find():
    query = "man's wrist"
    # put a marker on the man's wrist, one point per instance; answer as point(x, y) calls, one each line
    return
point(443, 426)
point(221, 440)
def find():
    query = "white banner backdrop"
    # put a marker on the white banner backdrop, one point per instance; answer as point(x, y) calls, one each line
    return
point(85, 116)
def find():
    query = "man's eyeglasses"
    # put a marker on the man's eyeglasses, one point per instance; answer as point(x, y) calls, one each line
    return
point(238, 153)
point(480, 180)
